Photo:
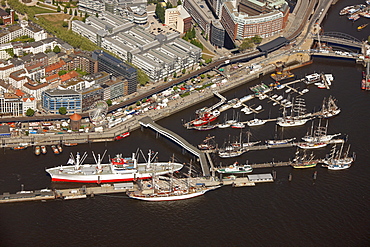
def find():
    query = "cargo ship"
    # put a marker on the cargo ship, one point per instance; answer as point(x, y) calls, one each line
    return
point(119, 169)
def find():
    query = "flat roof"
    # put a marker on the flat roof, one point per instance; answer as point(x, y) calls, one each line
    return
point(273, 45)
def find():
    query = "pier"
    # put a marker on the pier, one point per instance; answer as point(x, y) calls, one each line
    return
point(148, 122)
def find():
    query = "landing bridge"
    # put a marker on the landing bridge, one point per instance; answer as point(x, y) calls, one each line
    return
point(148, 122)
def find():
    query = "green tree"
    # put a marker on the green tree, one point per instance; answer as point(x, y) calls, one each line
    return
point(56, 49)
point(59, 9)
point(16, 18)
point(3, 3)
point(179, 2)
point(109, 102)
point(174, 74)
point(1, 21)
point(256, 39)
point(169, 5)
point(138, 103)
point(96, 14)
point(70, 12)
point(75, 14)
point(159, 12)
point(62, 110)
point(65, 24)
point(30, 112)
point(62, 72)
point(65, 10)
point(183, 71)
point(144, 100)
point(246, 44)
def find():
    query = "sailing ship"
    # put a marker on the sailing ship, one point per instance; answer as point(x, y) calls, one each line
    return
point(236, 169)
point(303, 161)
point(329, 108)
point(208, 143)
point(117, 170)
point(170, 190)
point(237, 148)
point(320, 134)
point(296, 118)
point(337, 160)
point(279, 142)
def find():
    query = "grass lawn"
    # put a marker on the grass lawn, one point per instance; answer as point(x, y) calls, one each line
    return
point(55, 20)
point(39, 10)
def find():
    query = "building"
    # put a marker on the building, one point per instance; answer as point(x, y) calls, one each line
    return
point(178, 18)
point(10, 105)
point(117, 67)
point(91, 95)
point(202, 15)
point(53, 99)
point(24, 28)
point(159, 56)
point(254, 17)
point(8, 18)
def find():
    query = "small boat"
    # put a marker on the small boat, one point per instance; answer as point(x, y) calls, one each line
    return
point(20, 147)
point(236, 169)
point(305, 90)
point(37, 150)
point(69, 144)
point(238, 125)
point(274, 96)
point(256, 122)
point(203, 127)
point(279, 98)
point(43, 149)
point(60, 149)
point(258, 108)
point(359, 28)
point(223, 126)
point(55, 149)
point(121, 136)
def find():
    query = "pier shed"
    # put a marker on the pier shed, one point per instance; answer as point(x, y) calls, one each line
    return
point(260, 178)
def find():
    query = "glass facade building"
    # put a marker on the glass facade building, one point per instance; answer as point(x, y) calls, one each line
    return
point(53, 99)
point(117, 67)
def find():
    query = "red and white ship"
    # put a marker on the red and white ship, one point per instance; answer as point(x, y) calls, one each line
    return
point(204, 118)
point(118, 170)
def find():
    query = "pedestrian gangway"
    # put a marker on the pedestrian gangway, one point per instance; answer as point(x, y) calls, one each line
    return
point(148, 122)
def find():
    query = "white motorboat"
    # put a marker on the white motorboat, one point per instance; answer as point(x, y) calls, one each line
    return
point(256, 122)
